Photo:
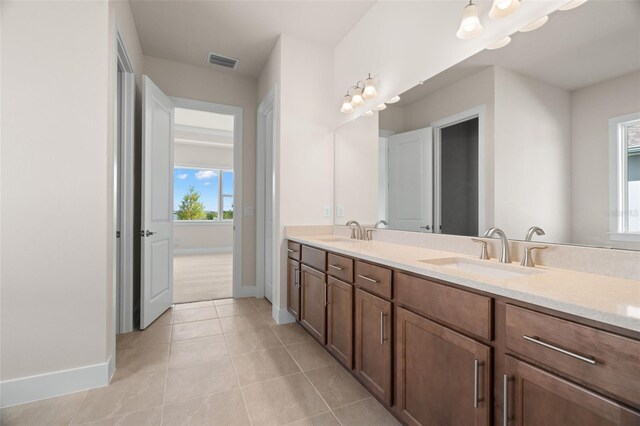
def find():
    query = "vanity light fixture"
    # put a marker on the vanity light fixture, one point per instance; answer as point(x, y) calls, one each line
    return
point(393, 100)
point(500, 43)
point(380, 107)
point(357, 99)
point(369, 88)
point(534, 25)
point(503, 8)
point(347, 108)
point(368, 113)
point(572, 5)
point(470, 25)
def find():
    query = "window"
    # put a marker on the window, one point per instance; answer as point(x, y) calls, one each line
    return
point(625, 177)
point(202, 194)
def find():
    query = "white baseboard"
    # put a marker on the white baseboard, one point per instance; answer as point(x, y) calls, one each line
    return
point(57, 383)
point(282, 316)
point(246, 291)
point(205, 250)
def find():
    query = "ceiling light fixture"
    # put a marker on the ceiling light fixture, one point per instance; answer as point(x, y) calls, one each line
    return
point(572, 5)
point(503, 8)
point(500, 43)
point(470, 25)
point(347, 108)
point(393, 100)
point(534, 25)
point(369, 88)
point(380, 107)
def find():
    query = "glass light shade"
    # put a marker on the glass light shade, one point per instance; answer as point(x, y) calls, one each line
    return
point(571, 5)
point(503, 8)
point(357, 99)
point(346, 105)
point(368, 113)
point(470, 25)
point(379, 107)
point(393, 100)
point(369, 89)
point(534, 25)
point(500, 43)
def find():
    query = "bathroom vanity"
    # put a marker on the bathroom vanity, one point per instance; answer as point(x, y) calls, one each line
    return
point(439, 344)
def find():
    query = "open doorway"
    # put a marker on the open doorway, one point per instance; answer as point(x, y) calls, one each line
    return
point(205, 196)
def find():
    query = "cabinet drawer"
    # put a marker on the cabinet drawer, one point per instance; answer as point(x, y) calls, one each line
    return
point(375, 279)
point(462, 309)
point(315, 258)
point(340, 267)
point(293, 250)
point(606, 361)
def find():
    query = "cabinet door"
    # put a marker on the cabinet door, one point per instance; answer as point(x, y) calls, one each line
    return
point(313, 302)
point(340, 321)
point(536, 397)
point(442, 377)
point(373, 343)
point(293, 288)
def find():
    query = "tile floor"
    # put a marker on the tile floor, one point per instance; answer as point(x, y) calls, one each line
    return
point(215, 363)
point(202, 277)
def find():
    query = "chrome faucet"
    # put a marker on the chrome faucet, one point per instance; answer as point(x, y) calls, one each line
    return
point(357, 233)
point(533, 230)
point(504, 254)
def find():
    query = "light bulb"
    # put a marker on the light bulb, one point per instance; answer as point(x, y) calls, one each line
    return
point(470, 25)
point(503, 8)
point(346, 105)
point(368, 113)
point(572, 5)
point(357, 99)
point(534, 25)
point(500, 43)
point(369, 89)
point(379, 107)
point(393, 100)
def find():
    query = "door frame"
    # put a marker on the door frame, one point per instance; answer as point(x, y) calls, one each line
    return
point(478, 112)
point(267, 104)
point(123, 158)
point(237, 113)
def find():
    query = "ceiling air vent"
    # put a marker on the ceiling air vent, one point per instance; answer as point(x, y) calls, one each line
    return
point(223, 61)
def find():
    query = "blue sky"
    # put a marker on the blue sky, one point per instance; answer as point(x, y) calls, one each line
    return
point(205, 182)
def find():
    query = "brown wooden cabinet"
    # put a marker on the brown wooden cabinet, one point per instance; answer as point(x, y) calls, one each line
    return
point(373, 343)
point(340, 321)
point(442, 377)
point(293, 288)
point(313, 302)
point(536, 397)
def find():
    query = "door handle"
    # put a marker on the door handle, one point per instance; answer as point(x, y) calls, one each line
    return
point(148, 233)
point(476, 367)
point(505, 400)
point(382, 338)
point(325, 294)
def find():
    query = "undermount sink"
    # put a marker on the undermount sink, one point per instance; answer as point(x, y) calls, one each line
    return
point(487, 268)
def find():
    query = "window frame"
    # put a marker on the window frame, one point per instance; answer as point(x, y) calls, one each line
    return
point(219, 221)
point(618, 180)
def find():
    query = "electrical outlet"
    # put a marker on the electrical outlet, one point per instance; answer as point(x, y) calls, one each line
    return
point(327, 211)
point(340, 212)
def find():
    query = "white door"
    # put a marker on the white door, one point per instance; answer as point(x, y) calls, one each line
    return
point(156, 295)
point(411, 181)
point(268, 207)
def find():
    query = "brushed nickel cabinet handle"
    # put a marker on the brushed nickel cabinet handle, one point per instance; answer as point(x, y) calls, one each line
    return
point(325, 294)
point(476, 367)
point(505, 400)
point(538, 341)
point(382, 338)
point(291, 251)
point(336, 267)
point(297, 282)
point(368, 279)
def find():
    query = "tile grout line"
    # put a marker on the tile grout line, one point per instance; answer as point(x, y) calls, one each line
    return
point(166, 371)
point(78, 409)
point(235, 373)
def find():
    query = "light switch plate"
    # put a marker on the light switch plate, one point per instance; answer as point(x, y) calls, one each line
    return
point(248, 211)
point(327, 211)
point(340, 211)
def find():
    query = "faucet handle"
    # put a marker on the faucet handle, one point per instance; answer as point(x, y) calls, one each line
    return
point(527, 259)
point(353, 233)
point(483, 252)
point(368, 234)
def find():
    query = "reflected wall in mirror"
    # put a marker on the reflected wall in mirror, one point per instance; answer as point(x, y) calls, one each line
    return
point(543, 132)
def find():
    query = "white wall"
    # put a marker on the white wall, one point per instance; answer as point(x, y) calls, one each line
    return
point(532, 157)
point(205, 84)
point(592, 107)
point(56, 290)
point(202, 237)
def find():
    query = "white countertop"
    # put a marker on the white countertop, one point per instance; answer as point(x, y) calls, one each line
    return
point(610, 300)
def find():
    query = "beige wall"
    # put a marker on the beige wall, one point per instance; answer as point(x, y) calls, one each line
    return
point(205, 84)
point(592, 107)
point(56, 291)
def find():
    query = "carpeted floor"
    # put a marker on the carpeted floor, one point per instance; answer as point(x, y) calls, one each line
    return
point(202, 277)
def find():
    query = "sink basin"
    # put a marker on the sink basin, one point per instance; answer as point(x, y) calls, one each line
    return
point(485, 268)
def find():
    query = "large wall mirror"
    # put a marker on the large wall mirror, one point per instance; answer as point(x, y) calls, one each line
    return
point(542, 132)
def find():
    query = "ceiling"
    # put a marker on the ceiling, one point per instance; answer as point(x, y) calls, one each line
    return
point(597, 41)
point(186, 31)
point(203, 128)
